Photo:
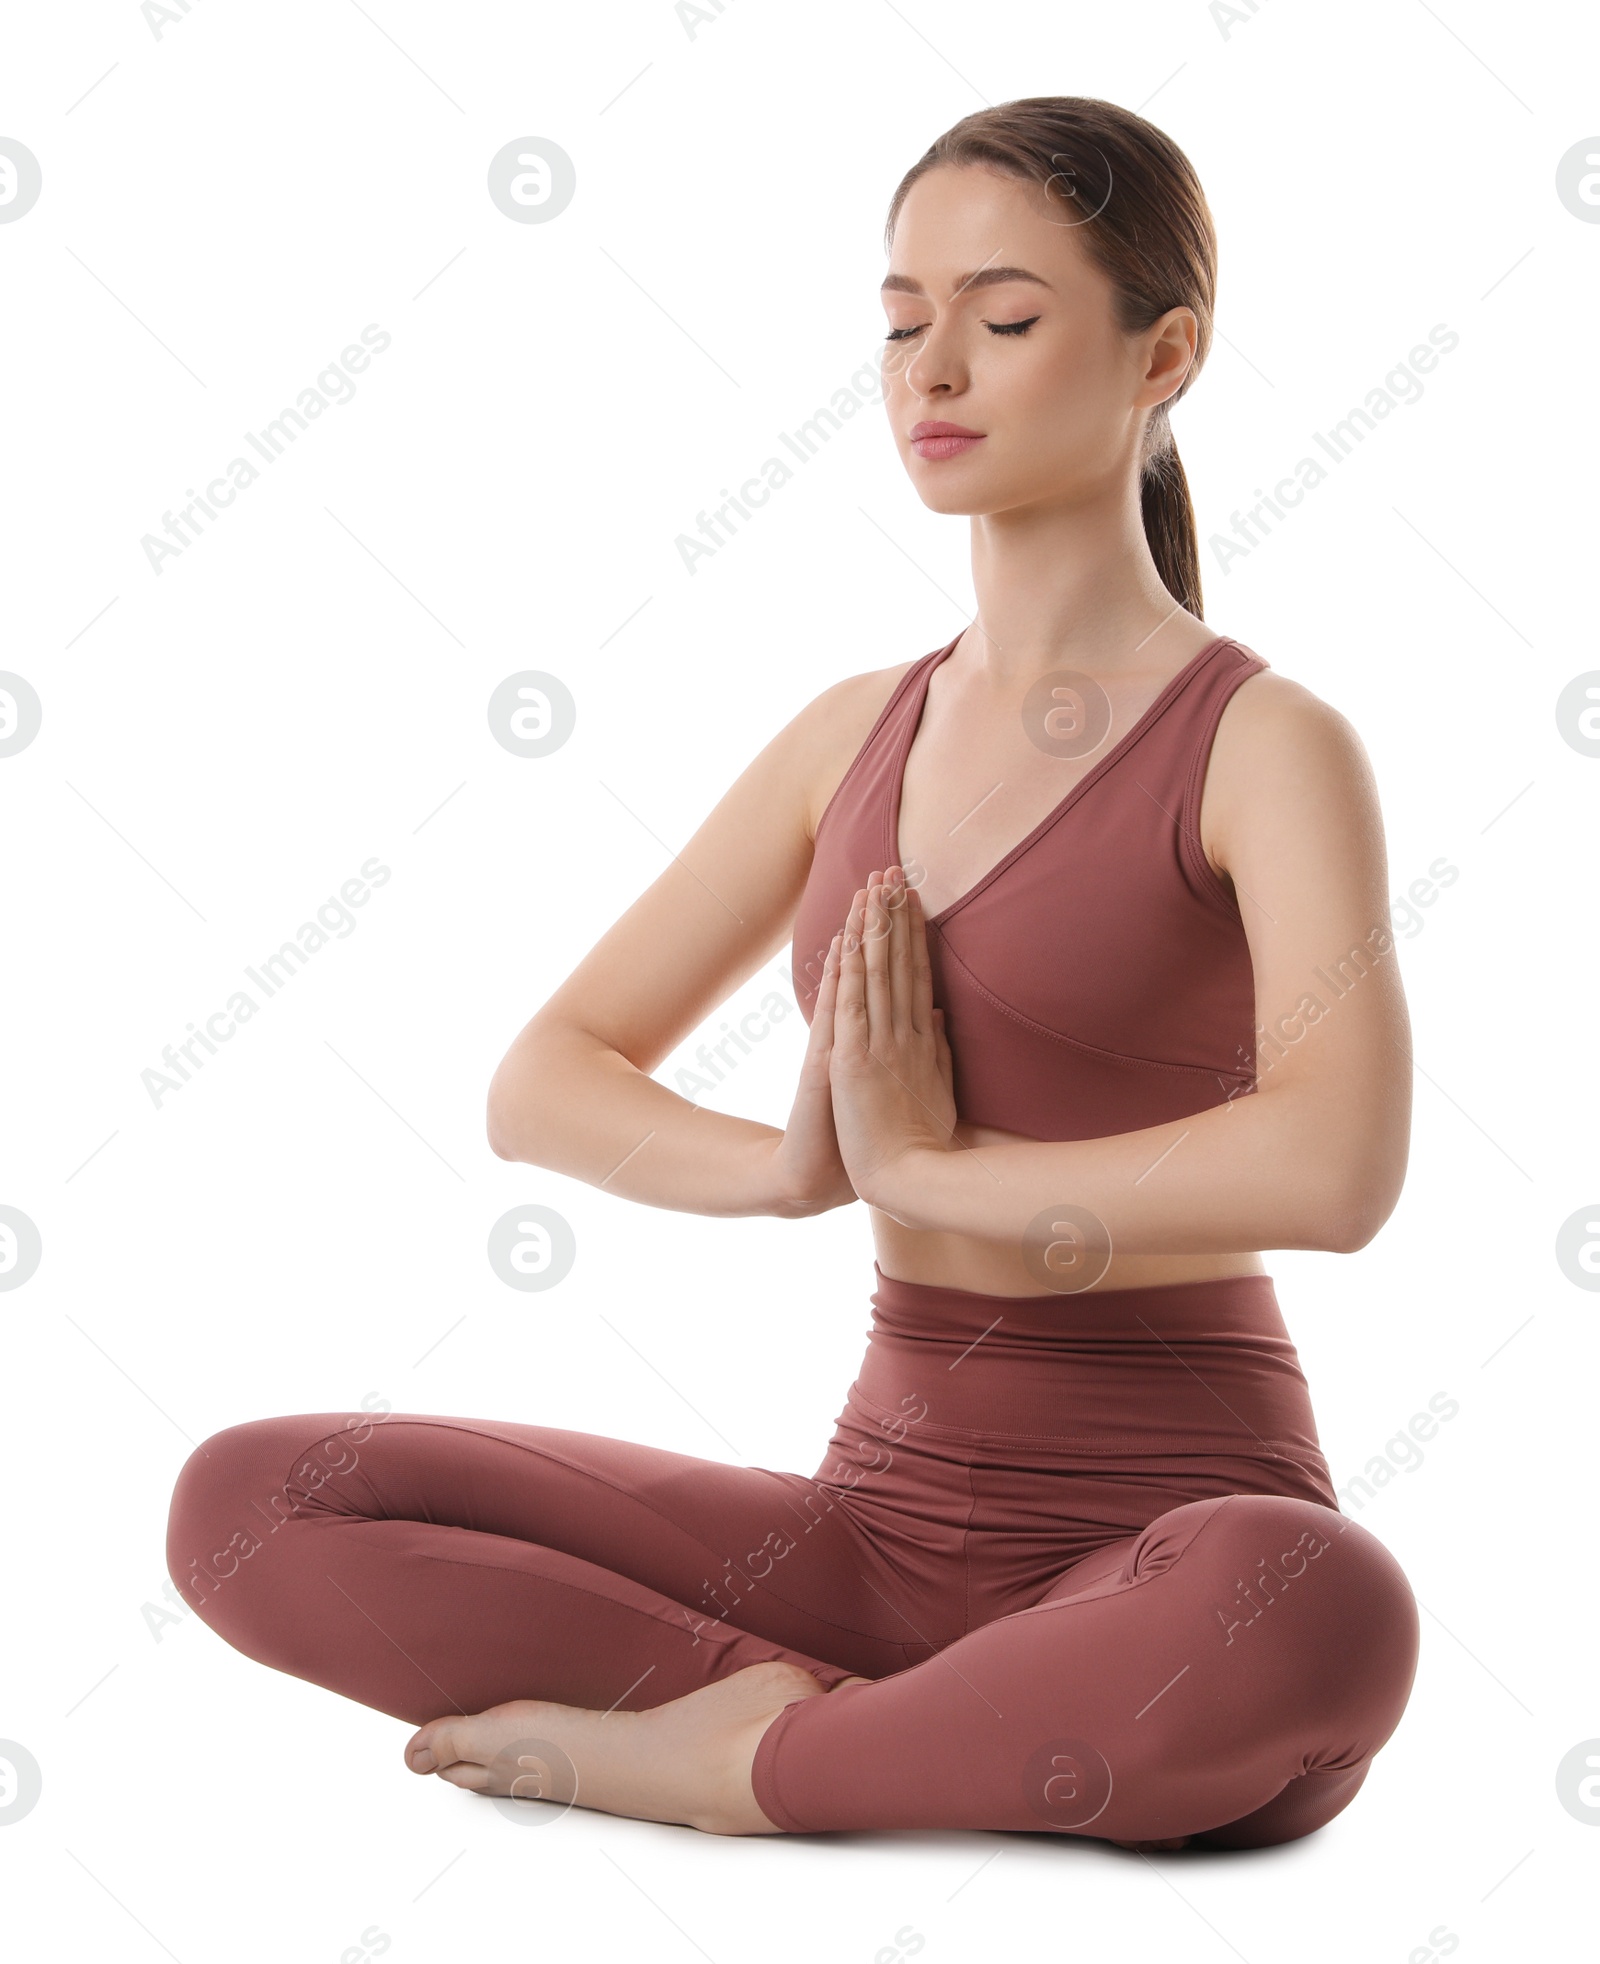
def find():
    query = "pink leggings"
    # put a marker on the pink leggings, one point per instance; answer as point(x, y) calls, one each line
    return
point(1085, 1547)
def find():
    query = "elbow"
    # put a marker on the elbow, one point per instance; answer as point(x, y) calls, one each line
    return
point(1347, 1220)
point(542, 1093)
point(518, 1092)
point(1337, 1172)
point(499, 1136)
point(1346, 1234)
point(505, 1120)
point(507, 1129)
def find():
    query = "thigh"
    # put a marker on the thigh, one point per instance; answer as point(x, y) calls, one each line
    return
point(770, 1552)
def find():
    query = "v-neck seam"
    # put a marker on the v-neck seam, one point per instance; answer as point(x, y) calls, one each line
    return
point(907, 735)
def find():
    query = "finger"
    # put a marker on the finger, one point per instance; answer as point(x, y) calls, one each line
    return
point(942, 1047)
point(827, 993)
point(828, 987)
point(902, 980)
point(850, 998)
point(921, 964)
point(877, 935)
point(854, 930)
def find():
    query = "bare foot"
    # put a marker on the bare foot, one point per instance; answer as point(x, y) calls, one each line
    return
point(687, 1761)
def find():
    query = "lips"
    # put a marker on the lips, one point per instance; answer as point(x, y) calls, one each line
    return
point(933, 441)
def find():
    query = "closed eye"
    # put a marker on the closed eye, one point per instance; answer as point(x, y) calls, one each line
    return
point(994, 327)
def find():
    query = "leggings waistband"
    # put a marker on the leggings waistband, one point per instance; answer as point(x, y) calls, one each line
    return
point(1238, 1305)
point(1176, 1367)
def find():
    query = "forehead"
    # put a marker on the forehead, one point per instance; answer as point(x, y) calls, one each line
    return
point(963, 228)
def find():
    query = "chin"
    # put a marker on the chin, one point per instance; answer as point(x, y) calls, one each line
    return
point(942, 493)
point(952, 507)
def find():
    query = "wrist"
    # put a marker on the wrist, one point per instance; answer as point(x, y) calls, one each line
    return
point(907, 1187)
point(770, 1192)
point(779, 1192)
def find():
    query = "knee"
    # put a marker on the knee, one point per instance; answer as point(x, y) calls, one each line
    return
point(1305, 1590)
point(232, 1494)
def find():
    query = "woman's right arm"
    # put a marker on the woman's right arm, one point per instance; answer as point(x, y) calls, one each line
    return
point(574, 1092)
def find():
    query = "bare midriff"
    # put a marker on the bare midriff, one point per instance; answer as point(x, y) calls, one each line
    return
point(996, 1268)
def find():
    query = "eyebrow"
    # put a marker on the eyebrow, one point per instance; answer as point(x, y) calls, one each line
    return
point(988, 276)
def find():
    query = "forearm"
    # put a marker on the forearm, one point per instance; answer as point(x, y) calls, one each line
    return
point(566, 1101)
point(1273, 1169)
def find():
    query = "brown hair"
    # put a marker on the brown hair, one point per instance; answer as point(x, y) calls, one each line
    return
point(1144, 221)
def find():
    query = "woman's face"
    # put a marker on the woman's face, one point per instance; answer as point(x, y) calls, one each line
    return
point(1058, 405)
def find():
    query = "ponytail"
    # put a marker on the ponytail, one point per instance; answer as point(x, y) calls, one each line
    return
point(1169, 526)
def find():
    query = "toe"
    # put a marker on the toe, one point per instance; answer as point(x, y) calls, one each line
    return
point(474, 1778)
point(432, 1747)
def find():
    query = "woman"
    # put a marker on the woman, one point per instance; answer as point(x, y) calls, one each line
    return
point(1088, 912)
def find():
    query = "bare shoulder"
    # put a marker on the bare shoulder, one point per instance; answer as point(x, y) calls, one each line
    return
point(828, 733)
point(1282, 754)
point(1274, 726)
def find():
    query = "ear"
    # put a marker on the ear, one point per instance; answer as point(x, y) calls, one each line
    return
point(1173, 341)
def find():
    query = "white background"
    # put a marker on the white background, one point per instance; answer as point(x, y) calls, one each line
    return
point(226, 742)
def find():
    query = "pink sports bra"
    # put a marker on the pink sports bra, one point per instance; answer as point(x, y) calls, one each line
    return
point(1097, 979)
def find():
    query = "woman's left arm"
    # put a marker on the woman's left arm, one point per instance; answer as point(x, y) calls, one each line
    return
point(1314, 1157)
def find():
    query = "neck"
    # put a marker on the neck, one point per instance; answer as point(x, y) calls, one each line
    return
point(1070, 586)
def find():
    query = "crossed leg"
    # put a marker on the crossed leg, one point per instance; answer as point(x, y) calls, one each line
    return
point(1226, 1674)
point(425, 1564)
